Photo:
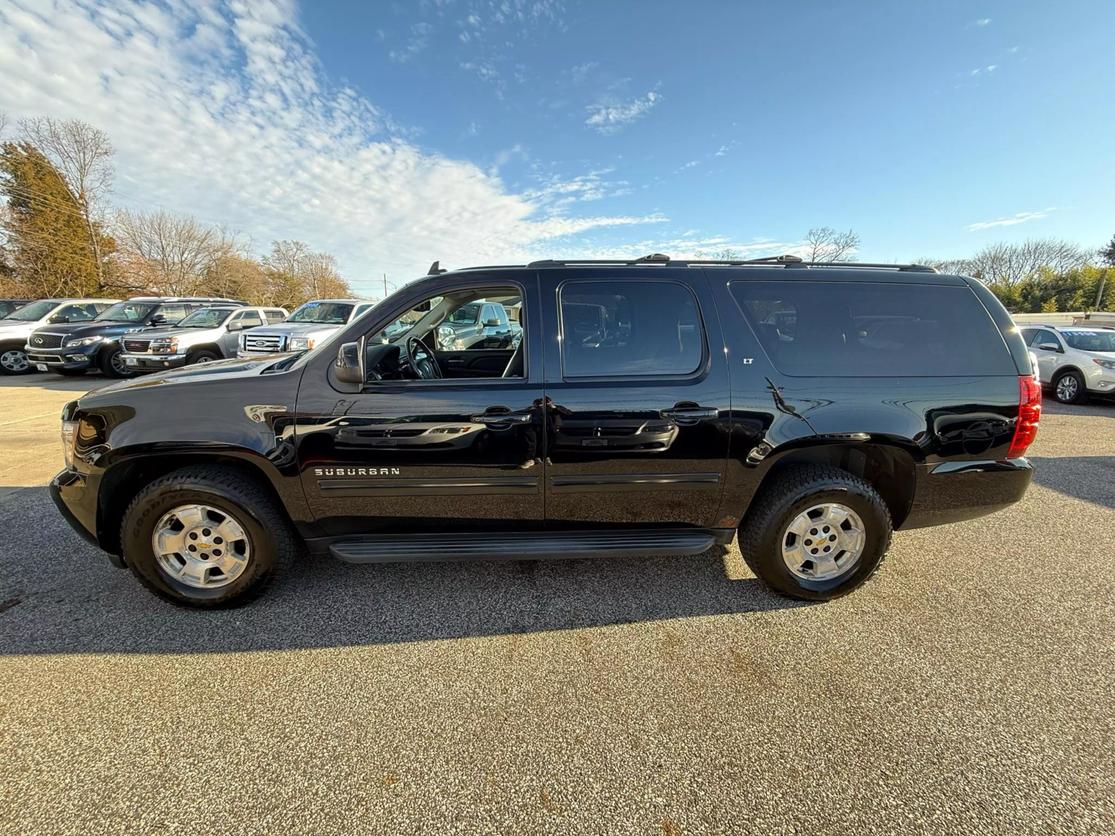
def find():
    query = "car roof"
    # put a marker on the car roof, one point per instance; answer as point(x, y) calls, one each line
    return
point(335, 302)
point(231, 302)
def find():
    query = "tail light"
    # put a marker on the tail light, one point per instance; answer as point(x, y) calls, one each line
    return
point(1029, 413)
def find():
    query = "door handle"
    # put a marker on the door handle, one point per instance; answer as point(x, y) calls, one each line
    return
point(690, 414)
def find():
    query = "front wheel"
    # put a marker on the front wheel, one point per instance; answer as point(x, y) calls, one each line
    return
point(13, 360)
point(206, 537)
point(201, 356)
point(112, 363)
point(816, 533)
point(1069, 387)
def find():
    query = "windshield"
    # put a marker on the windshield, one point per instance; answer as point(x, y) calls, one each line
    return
point(36, 310)
point(465, 315)
point(327, 313)
point(127, 312)
point(1090, 340)
point(205, 318)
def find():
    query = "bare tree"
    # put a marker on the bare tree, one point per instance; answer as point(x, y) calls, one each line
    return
point(83, 156)
point(168, 253)
point(1007, 265)
point(823, 243)
point(296, 273)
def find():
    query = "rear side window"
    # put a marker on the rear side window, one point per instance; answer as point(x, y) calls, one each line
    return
point(625, 329)
point(250, 319)
point(866, 329)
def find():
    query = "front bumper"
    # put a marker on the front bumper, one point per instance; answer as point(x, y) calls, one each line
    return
point(948, 492)
point(1100, 381)
point(153, 362)
point(62, 357)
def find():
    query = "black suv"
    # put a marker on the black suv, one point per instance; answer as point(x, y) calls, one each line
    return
point(651, 407)
point(74, 349)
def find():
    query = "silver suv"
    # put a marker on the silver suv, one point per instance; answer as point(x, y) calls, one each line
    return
point(1075, 361)
point(206, 335)
point(310, 323)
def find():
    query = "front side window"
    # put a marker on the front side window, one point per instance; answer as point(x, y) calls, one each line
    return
point(249, 319)
point(623, 329)
point(1045, 337)
point(172, 314)
point(324, 313)
point(79, 312)
point(205, 318)
point(127, 312)
point(873, 329)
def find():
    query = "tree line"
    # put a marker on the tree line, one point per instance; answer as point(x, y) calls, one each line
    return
point(60, 236)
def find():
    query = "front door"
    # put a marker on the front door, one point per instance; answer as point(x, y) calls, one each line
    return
point(638, 400)
point(452, 453)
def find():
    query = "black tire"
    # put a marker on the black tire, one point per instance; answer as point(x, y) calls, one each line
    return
point(272, 541)
point(796, 490)
point(111, 364)
point(1064, 390)
point(201, 356)
point(13, 360)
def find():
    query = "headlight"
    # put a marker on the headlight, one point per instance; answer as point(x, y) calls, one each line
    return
point(69, 433)
point(300, 343)
point(80, 341)
point(1107, 364)
point(165, 346)
point(242, 340)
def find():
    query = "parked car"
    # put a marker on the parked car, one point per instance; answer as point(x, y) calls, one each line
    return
point(309, 325)
point(206, 335)
point(76, 348)
point(7, 306)
point(1074, 361)
point(19, 325)
point(811, 409)
point(478, 324)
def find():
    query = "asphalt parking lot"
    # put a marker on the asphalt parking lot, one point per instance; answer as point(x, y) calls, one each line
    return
point(967, 689)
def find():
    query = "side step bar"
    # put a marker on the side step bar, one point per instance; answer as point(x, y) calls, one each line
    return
point(400, 548)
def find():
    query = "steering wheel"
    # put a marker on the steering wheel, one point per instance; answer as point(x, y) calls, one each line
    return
point(421, 360)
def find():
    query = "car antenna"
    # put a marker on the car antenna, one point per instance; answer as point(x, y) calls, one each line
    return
point(435, 269)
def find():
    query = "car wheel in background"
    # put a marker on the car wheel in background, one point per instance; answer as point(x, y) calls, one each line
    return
point(13, 360)
point(112, 363)
point(1068, 387)
point(815, 532)
point(201, 356)
point(206, 537)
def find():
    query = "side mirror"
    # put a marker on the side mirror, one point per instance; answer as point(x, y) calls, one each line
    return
point(236, 325)
point(349, 365)
point(158, 319)
point(59, 318)
point(492, 323)
point(1049, 347)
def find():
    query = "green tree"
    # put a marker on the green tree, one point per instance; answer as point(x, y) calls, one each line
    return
point(48, 243)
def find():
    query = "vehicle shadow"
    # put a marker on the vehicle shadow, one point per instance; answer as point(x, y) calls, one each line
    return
point(60, 595)
point(1090, 478)
point(55, 383)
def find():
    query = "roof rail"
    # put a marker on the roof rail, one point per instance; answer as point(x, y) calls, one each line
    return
point(785, 260)
point(653, 258)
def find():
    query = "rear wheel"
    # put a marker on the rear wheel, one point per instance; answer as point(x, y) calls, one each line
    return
point(13, 360)
point(816, 533)
point(206, 537)
point(1068, 387)
point(112, 363)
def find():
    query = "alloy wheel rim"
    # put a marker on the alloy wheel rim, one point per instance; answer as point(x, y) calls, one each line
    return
point(14, 361)
point(824, 542)
point(118, 364)
point(201, 546)
point(1067, 387)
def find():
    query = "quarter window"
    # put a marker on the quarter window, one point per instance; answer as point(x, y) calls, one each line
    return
point(873, 329)
point(629, 329)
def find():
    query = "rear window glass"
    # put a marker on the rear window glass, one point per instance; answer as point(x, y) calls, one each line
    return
point(865, 329)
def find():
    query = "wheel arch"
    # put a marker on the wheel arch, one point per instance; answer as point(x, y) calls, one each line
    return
point(888, 468)
point(130, 473)
point(212, 348)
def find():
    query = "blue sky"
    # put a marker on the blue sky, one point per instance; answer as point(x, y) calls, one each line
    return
point(494, 130)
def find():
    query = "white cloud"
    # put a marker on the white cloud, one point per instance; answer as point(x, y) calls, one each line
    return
point(1013, 220)
point(983, 21)
point(608, 117)
point(221, 110)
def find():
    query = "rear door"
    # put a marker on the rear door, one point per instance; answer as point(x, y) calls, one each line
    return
point(637, 398)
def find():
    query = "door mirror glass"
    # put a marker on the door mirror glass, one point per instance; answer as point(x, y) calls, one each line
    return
point(1049, 347)
point(58, 318)
point(349, 366)
point(492, 323)
point(158, 319)
point(236, 325)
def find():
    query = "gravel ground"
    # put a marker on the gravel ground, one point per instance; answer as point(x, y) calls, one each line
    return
point(967, 689)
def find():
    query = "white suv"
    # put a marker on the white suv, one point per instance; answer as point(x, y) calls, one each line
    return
point(1075, 361)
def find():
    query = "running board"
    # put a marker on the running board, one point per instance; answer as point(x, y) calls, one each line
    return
point(400, 548)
